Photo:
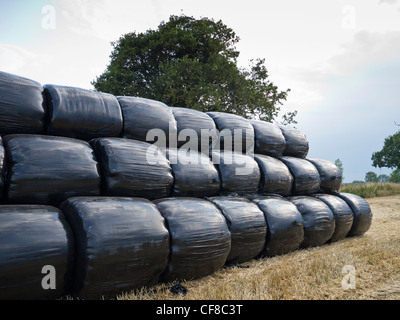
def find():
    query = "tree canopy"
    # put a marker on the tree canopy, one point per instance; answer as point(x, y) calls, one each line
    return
point(389, 156)
point(192, 63)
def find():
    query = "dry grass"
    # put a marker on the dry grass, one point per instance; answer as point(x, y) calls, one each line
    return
point(372, 189)
point(310, 274)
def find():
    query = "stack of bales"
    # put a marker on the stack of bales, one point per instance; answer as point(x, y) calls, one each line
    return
point(117, 193)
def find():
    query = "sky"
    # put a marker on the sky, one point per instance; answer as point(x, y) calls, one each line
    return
point(340, 58)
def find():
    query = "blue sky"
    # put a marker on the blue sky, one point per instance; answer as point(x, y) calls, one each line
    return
point(340, 58)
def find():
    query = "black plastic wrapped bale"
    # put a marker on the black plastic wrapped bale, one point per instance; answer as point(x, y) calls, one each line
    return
point(269, 139)
point(2, 168)
point(82, 114)
point(131, 168)
point(47, 169)
point(305, 175)
point(342, 213)
point(235, 132)
point(36, 253)
point(122, 244)
point(200, 240)
point(275, 176)
point(285, 225)
point(194, 174)
point(319, 222)
point(195, 126)
point(361, 211)
point(239, 173)
point(330, 175)
point(22, 107)
point(247, 225)
point(296, 142)
point(142, 115)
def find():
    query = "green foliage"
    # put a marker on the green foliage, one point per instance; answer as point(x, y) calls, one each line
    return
point(371, 177)
point(383, 178)
point(192, 63)
point(395, 176)
point(339, 164)
point(389, 156)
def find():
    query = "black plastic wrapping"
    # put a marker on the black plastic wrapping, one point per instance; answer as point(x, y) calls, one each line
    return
point(32, 237)
point(247, 225)
point(2, 168)
point(142, 115)
point(194, 121)
point(269, 139)
point(239, 173)
point(234, 131)
point(296, 142)
point(22, 107)
point(319, 222)
point(285, 225)
point(200, 240)
point(342, 213)
point(361, 211)
point(306, 176)
point(82, 114)
point(275, 176)
point(194, 174)
point(122, 244)
point(47, 169)
point(131, 168)
point(330, 175)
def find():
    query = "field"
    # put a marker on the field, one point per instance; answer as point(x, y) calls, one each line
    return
point(360, 268)
point(372, 189)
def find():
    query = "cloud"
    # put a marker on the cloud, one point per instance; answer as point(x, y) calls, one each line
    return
point(388, 1)
point(108, 19)
point(18, 60)
point(359, 101)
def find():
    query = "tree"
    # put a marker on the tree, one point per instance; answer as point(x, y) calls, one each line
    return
point(339, 164)
point(395, 176)
point(383, 178)
point(389, 156)
point(371, 177)
point(193, 64)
